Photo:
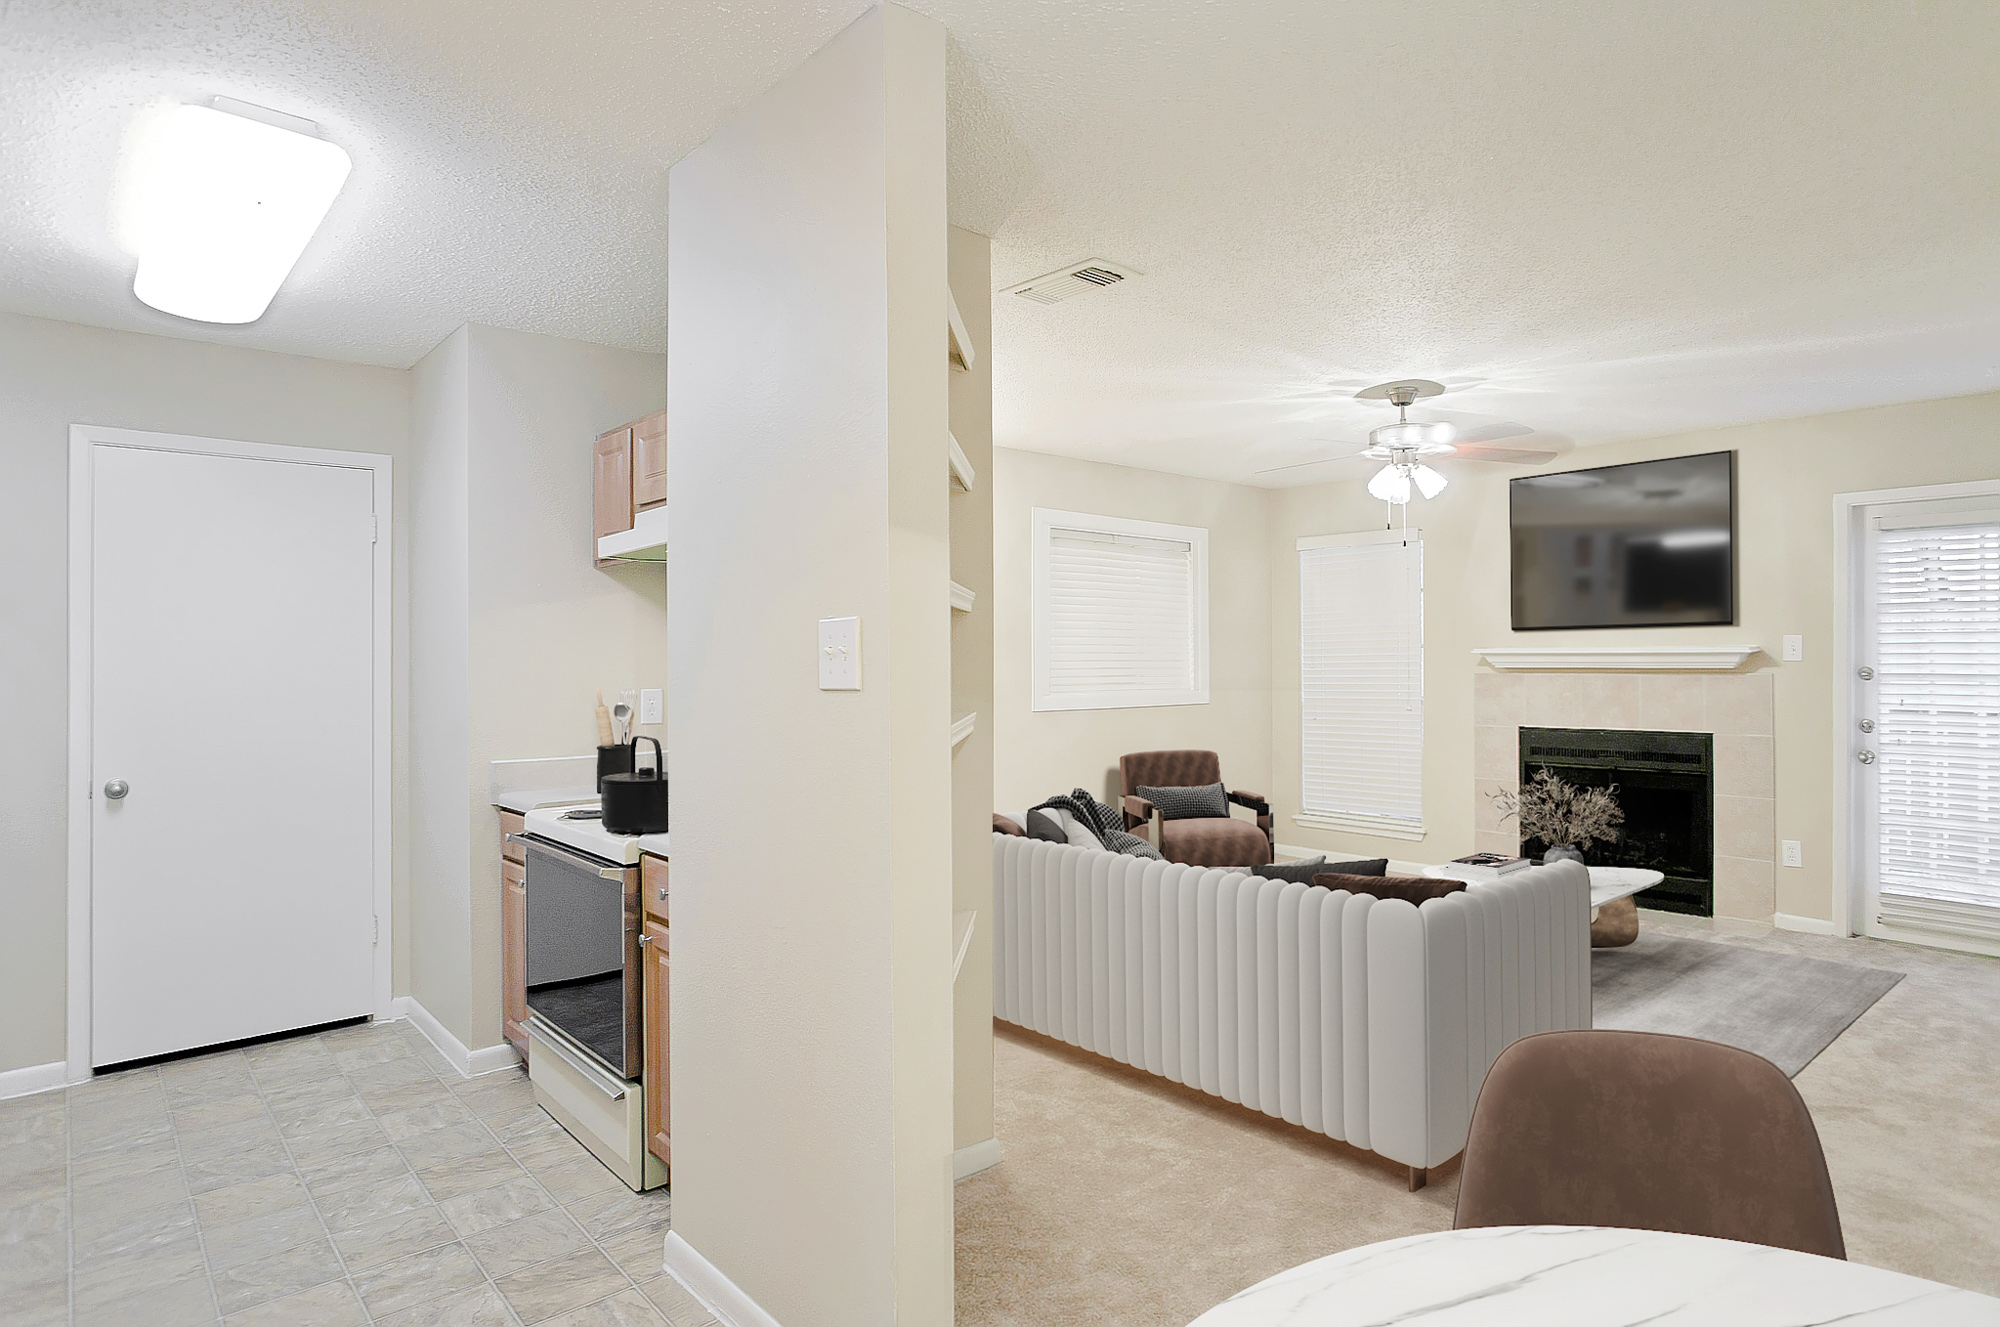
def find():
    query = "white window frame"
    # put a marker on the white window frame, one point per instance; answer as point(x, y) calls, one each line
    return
point(1387, 827)
point(1046, 521)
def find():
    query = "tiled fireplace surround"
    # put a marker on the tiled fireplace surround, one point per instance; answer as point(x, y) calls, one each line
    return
point(1735, 707)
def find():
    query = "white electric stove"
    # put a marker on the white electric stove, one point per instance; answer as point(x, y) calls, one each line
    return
point(586, 833)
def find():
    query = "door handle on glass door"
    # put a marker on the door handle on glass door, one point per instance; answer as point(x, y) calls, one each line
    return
point(116, 789)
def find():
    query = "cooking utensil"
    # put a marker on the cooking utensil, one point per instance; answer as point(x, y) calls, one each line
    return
point(621, 718)
point(636, 803)
point(603, 723)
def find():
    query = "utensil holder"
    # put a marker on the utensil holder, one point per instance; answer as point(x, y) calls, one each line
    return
point(614, 759)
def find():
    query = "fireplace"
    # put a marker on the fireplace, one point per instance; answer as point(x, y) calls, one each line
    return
point(1666, 787)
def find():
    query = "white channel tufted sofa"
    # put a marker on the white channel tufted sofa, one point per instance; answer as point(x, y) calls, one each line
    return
point(1369, 1020)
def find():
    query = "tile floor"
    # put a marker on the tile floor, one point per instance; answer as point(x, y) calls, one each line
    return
point(345, 1178)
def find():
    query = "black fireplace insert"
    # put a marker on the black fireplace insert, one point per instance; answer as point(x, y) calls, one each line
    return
point(1666, 787)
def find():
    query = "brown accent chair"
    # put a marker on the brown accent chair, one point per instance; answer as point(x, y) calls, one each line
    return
point(1650, 1132)
point(1221, 841)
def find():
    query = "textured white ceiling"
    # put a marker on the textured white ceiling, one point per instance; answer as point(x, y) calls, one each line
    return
point(1599, 220)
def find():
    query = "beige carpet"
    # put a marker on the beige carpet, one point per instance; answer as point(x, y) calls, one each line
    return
point(1123, 1199)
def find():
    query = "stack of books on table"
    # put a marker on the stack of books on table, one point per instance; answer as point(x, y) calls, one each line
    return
point(1487, 866)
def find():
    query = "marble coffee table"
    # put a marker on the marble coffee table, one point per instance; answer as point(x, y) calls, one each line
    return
point(1589, 1276)
point(1608, 885)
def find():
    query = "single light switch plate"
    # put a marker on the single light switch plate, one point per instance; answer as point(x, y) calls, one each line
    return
point(1790, 853)
point(840, 654)
point(1795, 648)
point(652, 705)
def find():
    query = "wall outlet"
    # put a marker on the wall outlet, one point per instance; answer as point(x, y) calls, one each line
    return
point(840, 654)
point(1790, 853)
point(652, 705)
point(1795, 648)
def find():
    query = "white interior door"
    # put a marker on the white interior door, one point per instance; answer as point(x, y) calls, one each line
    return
point(1926, 739)
point(232, 694)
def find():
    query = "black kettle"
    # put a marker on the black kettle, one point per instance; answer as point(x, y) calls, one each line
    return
point(637, 803)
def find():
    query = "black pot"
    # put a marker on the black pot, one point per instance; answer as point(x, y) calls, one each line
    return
point(637, 803)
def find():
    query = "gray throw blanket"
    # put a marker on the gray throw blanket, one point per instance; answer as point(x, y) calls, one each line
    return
point(1101, 820)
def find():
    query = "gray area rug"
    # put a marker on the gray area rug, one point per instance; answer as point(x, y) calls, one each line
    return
point(1784, 1008)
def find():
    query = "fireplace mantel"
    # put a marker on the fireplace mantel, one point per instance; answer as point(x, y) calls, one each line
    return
point(1616, 658)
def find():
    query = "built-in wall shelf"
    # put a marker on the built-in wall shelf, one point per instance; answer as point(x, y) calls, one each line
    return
point(961, 598)
point(961, 728)
point(960, 340)
point(962, 477)
point(961, 929)
point(646, 541)
point(1617, 658)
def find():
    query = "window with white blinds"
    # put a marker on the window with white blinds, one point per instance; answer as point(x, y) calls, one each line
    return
point(1936, 613)
point(1361, 683)
point(1120, 612)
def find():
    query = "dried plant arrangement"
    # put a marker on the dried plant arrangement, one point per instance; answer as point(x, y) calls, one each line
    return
point(1561, 814)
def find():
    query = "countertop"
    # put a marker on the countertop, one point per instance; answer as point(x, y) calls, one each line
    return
point(524, 800)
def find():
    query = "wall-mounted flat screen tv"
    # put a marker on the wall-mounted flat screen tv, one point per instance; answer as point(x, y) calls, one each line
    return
point(1649, 544)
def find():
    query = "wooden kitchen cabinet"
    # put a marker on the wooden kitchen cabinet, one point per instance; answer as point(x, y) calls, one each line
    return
point(649, 461)
point(612, 485)
point(514, 953)
point(653, 887)
point(658, 1103)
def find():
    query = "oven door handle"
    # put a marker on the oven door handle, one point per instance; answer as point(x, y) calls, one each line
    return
point(595, 865)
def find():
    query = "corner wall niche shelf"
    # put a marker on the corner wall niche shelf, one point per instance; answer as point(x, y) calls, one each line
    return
point(959, 341)
point(962, 477)
point(646, 541)
point(961, 598)
point(1617, 658)
point(961, 728)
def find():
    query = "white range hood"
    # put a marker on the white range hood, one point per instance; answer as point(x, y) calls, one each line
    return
point(646, 541)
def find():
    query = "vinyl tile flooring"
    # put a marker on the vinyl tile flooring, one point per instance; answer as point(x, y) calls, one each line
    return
point(330, 1180)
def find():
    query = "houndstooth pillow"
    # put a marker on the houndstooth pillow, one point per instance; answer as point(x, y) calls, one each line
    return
point(1203, 802)
point(1132, 845)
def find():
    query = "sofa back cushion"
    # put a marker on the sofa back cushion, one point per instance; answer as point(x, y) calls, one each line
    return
point(1409, 888)
point(1208, 801)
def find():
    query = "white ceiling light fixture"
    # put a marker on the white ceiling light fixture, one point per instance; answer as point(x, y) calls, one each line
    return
point(224, 200)
point(1403, 443)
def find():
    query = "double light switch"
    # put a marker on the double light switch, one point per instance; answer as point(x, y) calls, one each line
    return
point(840, 654)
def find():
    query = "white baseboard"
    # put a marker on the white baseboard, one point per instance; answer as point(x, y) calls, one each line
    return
point(34, 1078)
point(717, 1293)
point(1785, 921)
point(470, 1063)
point(972, 1159)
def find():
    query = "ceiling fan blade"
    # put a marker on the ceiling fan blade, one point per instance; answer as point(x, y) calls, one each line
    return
point(1507, 455)
point(1493, 432)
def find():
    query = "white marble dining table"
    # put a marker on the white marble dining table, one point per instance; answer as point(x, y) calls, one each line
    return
point(1590, 1276)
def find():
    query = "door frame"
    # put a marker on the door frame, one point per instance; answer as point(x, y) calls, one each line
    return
point(83, 440)
point(1850, 888)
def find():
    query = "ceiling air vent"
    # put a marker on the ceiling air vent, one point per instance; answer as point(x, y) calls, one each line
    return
point(1073, 280)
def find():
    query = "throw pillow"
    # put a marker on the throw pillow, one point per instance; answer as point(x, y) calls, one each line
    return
point(1044, 825)
point(1205, 802)
point(1372, 866)
point(1303, 870)
point(1132, 845)
point(1080, 834)
point(1409, 888)
point(1002, 825)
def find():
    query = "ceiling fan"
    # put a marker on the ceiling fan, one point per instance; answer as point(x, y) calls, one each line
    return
point(1405, 445)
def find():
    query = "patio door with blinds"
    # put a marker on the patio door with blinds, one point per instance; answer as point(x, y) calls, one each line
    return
point(1926, 738)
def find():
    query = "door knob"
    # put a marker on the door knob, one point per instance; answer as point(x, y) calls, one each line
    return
point(116, 789)
point(1865, 757)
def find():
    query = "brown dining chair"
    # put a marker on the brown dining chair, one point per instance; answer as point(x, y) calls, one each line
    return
point(1218, 840)
point(1649, 1132)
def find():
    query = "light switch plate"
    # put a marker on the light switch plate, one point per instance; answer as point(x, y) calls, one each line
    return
point(1791, 853)
point(652, 705)
point(1795, 648)
point(840, 654)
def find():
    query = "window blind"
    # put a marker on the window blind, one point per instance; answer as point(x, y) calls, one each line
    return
point(1361, 684)
point(1120, 616)
point(1937, 623)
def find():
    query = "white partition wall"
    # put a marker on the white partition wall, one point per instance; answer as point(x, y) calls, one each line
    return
point(812, 1052)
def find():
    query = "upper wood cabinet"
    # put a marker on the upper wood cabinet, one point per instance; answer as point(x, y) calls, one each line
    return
point(649, 460)
point(612, 486)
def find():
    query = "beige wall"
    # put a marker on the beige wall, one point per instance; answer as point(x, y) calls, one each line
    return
point(812, 829)
point(1037, 754)
point(52, 375)
point(1787, 475)
point(972, 692)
